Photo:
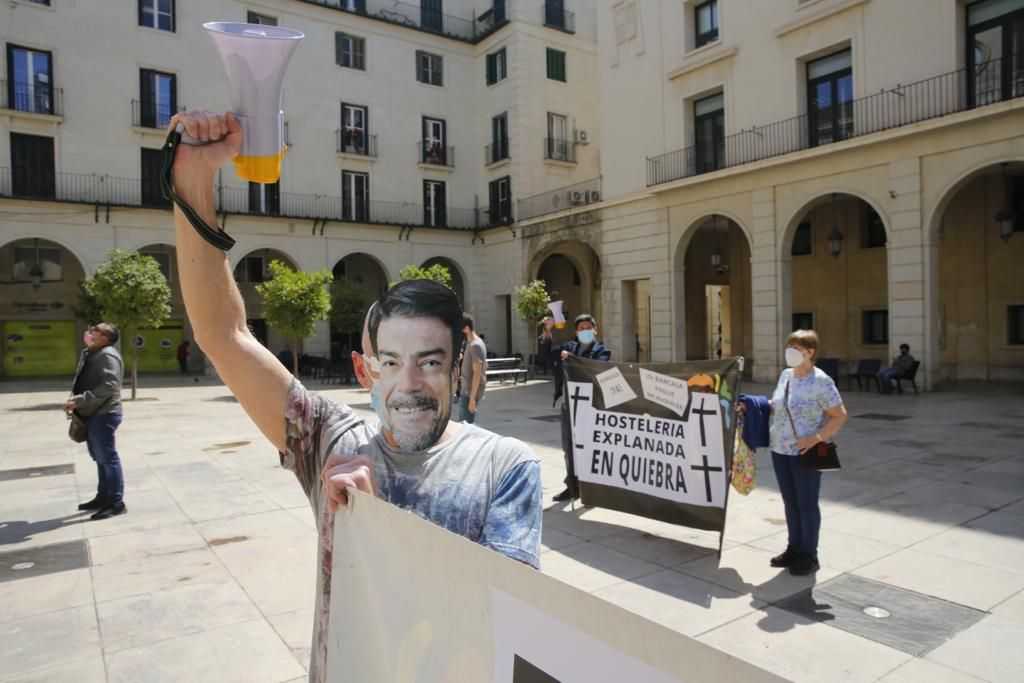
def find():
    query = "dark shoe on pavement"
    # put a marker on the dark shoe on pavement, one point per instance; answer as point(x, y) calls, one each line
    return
point(563, 496)
point(118, 509)
point(786, 558)
point(94, 504)
point(804, 565)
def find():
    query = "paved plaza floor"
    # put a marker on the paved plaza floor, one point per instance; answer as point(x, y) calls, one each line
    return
point(210, 575)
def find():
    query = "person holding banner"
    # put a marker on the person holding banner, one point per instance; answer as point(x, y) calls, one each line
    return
point(586, 345)
point(471, 481)
point(806, 409)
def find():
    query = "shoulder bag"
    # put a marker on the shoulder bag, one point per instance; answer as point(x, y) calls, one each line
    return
point(821, 457)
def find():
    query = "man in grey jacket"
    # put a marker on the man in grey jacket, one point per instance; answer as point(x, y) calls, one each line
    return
point(96, 396)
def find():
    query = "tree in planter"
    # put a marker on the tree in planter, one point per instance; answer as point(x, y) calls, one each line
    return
point(349, 302)
point(532, 301)
point(293, 301)
point(130, 292)
point(436, 273)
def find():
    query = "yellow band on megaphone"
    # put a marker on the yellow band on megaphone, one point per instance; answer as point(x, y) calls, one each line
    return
point(264, 169)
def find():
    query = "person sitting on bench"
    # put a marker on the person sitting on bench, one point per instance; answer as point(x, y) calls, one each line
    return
point(901, 366)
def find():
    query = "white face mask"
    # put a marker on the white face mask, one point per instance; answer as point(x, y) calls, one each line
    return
point(794, 357)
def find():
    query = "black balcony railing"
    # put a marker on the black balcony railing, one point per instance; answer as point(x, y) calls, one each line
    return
point(559, 150)
point(580, 194)
point(496, 151)
point(37, 98)
point(152, 115)
point(355, 141)
point(556, 16)
point(413, 15)
point(891, 108)
point(435, 153)
point(105, 190)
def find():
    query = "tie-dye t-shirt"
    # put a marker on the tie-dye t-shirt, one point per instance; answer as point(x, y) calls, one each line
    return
point(809, 397)
point(477, 484)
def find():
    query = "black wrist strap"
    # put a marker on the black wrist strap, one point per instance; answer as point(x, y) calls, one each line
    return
point(217, 237)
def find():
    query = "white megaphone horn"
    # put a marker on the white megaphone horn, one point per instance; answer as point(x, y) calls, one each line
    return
point(255, 58)
point(556, 310)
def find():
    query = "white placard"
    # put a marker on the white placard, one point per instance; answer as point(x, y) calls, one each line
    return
point(614, 387)
point(671, 392)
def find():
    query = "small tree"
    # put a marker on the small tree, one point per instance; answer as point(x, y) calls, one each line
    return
point(349, 302)
point(532, 301)
point(88, 310)
point(293, 301)
point(130, 292)
point(438, 273)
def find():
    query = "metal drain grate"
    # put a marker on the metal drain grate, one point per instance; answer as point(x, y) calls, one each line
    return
point(886, 417)
point(902, 619)
point(547, 418)
point(33, 472)
point(44, 559)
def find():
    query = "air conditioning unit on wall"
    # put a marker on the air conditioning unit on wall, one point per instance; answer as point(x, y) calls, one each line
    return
point(575, 197)
point(593, 196)
point(582, 137)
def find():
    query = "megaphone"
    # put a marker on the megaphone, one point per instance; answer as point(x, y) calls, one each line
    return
point(556, 310)
point(255, 58)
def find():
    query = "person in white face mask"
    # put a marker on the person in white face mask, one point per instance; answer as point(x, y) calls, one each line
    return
point(806, 409)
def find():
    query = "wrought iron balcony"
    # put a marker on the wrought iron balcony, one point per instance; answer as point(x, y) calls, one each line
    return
point(570, 196)
point(891, 108)
point(557, 17)
point(471, 30)
point(496, 151)
point(33, 98)
point(356, 141)
point(152, 115)
point(436, 154)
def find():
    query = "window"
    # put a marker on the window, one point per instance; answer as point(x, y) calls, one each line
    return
point(435, 148)
point(872, 232)
point(995, 50)
point(157, 97)
point(875, 327)
point(353, 6)
point(556, 65)
point(500, 192)
point(497, 67)
point(499, 139)
point(705, 17)
point(355, 196)
point(26, 258)
point(430, 15)
point(830, 98)
point(1015, 324)
point(251, 269)
point(354, 129)
point(32, 167)
point(163, 260)
point(555, 14)
point(435, 210)
point(350, 51)
point(158, 14)
point(265, 198)
point(558, 146)
point(709, 133)
point(803, 321)
point(802, 240)
point(152, 165)
point(255, 18)
point(29, 80)
point(429, 68)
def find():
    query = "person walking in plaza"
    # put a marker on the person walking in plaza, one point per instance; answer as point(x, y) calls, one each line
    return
point(474, 367)
point(183, 355)
point(96, 396)
point(901, 367)
point(586, 345)
point(806, 409)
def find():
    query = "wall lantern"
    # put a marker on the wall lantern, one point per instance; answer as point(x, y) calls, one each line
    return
point(35, 273)
point(835, 237)
point(1005, 218)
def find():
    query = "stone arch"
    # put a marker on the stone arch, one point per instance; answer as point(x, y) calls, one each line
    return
point(367, 271)
point(63, 244)
point(458, 276)
point(586, 262)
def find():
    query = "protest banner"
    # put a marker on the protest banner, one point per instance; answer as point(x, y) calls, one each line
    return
point(654, 439)
point(411, 601)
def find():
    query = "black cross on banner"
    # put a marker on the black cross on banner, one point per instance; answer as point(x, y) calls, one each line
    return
point(702, 412)
point(576, 398)
point(707, 469)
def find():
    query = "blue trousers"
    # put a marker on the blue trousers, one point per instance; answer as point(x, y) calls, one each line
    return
point(108, 465)
point(800, 492)
point(464, 414)
point(887, 376)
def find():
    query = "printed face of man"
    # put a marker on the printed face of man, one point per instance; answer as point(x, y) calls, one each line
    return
point(415, 376)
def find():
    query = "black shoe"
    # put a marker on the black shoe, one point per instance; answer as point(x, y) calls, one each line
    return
point(786, 558)
point(118, 509)
point(94, 504)
point(563, 496)
point(804, 565)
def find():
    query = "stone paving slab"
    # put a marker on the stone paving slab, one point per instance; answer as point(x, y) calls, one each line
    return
point(210, 576)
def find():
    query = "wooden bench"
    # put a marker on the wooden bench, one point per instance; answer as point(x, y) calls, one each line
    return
point(503, 368)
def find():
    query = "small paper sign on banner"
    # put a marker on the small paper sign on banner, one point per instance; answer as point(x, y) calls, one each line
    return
point(671, 392)
point(615, 387)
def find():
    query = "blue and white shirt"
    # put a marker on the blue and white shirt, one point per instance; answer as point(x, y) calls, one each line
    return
point(809, 397)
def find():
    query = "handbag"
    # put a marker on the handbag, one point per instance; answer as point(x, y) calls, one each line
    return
point(78, 429)
point(822, 457)
point(744, 465)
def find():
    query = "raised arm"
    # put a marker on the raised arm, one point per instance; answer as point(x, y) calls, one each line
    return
point(212, 299)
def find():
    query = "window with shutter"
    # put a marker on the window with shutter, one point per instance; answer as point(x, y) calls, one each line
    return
point(556, 65)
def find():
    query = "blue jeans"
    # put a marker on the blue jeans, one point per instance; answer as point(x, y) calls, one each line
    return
point(887, 376)
point(108, 465)
point(464, 414)
point(800, 496)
